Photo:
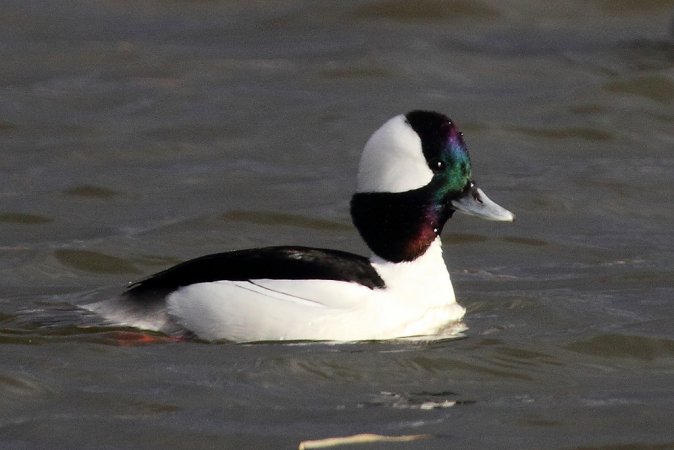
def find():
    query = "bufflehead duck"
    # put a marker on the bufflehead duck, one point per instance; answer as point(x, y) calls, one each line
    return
point(414, 173)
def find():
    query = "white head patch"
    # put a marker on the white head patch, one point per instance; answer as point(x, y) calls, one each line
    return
point(392, 160)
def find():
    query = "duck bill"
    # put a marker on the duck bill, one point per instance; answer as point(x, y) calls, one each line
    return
point(475, 202)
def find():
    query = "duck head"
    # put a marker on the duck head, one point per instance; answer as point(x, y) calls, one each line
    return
point(414, 173)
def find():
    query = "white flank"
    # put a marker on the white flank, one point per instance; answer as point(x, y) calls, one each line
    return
point(418, 300)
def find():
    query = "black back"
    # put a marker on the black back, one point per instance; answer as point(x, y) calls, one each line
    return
point(277, 263)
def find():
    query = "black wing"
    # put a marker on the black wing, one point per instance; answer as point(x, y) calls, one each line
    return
point(278, 263)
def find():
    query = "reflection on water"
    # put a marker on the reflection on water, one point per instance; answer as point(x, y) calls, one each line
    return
point(281, 219)
point(88, 190)
point(657, 88)
point(418, 400)
point(424, 11)
point(94, 262)
point(625, 346)
point(137, 135)
point(24, 219)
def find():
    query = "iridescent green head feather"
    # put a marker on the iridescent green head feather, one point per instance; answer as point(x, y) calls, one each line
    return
point(444, 149)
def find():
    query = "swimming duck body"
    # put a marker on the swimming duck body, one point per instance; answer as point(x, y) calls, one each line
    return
point(413, 175)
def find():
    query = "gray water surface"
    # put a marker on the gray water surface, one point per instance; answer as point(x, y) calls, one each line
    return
point(135, 135)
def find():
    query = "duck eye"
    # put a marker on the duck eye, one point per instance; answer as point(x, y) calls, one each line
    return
point(438, 165)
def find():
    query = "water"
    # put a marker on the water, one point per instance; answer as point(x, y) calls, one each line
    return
point(138, 134)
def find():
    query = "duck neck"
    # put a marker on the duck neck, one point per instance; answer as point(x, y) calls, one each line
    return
point(398, 226)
